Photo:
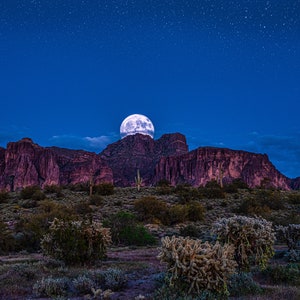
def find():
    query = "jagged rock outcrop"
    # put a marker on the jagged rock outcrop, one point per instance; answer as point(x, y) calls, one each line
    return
point(204, 164)
point(141, 152)
point(25, 163)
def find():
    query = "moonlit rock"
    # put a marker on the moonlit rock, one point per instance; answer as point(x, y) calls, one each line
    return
point(136, 124)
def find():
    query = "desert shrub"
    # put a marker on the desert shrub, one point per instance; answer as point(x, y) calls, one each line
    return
point(52, 189)
point(28, 192)
point(83, 284)
point(150, 209)
point(96, 200)
point(79, 187)
point(115, 279)
point(104, 189)
point(262, 203)
point(212, 190)
point(294, 198)
point(283, 274)
point(51, 287)
point(176, 214)
point(196, 211)
point(4, 196)
point(230, 188)
point(127, 231)
point(38, 195)
point(163, 183)
point(252, 238)
point(290, 235)
point(76, 241)
point(82, 208)
point(186, 193)
point(31, 228)
point(195, 266)
point(7, 242)
point(242, 284)
point(190, 230)
point(240, 183)
point(252, 206)
point(28, 203)
point(179, 213)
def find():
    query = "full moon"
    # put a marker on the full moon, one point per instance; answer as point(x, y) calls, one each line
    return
point(136, 124)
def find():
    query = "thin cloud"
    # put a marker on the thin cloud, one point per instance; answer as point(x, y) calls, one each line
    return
point(83, 143)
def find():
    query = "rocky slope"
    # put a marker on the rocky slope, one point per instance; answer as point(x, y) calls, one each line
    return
point(140, 152)
point(204, 164)
point(25, 163)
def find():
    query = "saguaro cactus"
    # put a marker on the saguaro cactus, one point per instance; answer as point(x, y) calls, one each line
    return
point(138, 179)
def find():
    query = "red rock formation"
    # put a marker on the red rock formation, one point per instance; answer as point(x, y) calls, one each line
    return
point(295, 183)
point(25, 164)
point(204, 164)
point(140, 152)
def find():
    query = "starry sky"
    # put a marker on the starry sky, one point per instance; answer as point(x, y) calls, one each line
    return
point(223, 73)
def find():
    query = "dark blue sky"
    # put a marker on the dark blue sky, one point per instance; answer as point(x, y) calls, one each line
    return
point(224, 73)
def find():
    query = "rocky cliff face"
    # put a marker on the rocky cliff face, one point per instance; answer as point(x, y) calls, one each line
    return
point(295, 183)
point(25, 163)
point(141, 152)
point(204, 164)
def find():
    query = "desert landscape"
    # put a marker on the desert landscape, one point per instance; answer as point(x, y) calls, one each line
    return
point(138, 221)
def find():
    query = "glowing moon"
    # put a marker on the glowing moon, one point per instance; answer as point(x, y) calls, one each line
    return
point(136, 124)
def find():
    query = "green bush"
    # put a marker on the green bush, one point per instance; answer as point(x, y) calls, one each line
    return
point(7, 242)
point(283, 274)
point(294, 198)
point(150, 209)
point(196, 211)
point(82, 208)
point(31, 228)
point(126, 231)
point(186, 193)
point(52, 189)
point(4, 196)
point(29, 191)
point(242, 284)
point(212, 190)
point(104, 189)
point(190, 230)
point(252, 238)
point(96, 200)
point(176, 214)
point(76, 241)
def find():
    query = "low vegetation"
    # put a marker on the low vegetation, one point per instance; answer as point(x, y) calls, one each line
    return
point(213, 242)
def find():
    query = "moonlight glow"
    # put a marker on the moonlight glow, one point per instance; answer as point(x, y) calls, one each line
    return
point(136, 124)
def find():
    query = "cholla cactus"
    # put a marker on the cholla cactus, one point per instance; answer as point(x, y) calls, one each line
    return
point(201, 265)
point(253, 239)
point(290, 234)
point(138, 179)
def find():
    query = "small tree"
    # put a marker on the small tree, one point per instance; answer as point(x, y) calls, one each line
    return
point(252, 238)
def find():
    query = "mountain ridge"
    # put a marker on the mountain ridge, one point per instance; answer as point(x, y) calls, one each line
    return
point(25, 163)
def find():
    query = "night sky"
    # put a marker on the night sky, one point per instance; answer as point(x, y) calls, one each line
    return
point(223, 73)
